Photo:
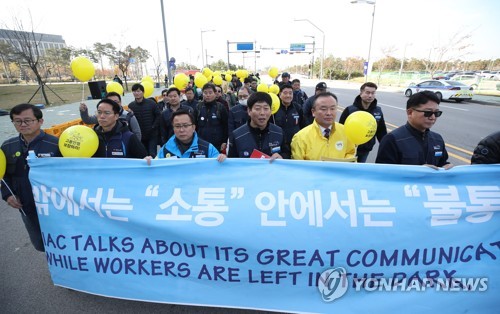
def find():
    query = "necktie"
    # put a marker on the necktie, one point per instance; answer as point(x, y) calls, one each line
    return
point(326, 133)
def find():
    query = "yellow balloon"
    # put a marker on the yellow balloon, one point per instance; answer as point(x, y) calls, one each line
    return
point(207, 72)
point(3, 164)
point(276, 103)
point(360, 127)
point(148, 78)
point(245, 73)
point(273, 72)
point(228, 77)
point(200, 81)
point(240, 74)
point(82, 68)
point(181, 80)
point(78, 141)
point(217, 80)
point(217, 73)
point(114, 87)
point(171, 86)
point(262, 87)
point(148, 88)
point(275, 89)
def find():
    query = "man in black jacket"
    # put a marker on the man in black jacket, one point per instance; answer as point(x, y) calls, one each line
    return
point(258, 134)
point(17, 190)
point(366, 101)
point(211, 118)
point(148, 115)
point(414, 143)
point(487, 150)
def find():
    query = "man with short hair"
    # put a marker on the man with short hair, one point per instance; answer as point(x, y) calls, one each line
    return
point(289, 116)
point(414, 143)
point(185, 142)
point(211, 118)
point(191, 98)
point(115, 138)
point(307, 107)
point(174, 104)
point(126, 116)
point(367, 102)
point(285, 79)
point(17, 190)
point(162, 104)
point(324, 139)
point(258, 133)
point(299, 96)
point(148, 115)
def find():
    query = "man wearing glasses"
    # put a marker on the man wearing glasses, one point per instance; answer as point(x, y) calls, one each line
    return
point(17, 191)
point(324, 139)
point(414, 143)
point(185, 142)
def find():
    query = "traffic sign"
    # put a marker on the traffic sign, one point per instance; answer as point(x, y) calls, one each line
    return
point(297, 47)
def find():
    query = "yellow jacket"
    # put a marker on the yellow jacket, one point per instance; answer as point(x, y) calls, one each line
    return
point(310, 144)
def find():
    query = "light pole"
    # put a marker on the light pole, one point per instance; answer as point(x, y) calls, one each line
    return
point(371, 33)
point(169, 71)
point(323, 51)
point(202, 50)
point(312, 65)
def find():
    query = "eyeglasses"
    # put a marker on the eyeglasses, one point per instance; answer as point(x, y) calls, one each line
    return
point(104, 113)
point(429, 114)
point(182, 126)
point(27, 122)
point(243, 96)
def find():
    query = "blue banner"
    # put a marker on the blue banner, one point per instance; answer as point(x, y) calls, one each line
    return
point(295, 236)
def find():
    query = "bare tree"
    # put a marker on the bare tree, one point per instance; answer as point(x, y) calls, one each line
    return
point(456, 47)
point(382, 64)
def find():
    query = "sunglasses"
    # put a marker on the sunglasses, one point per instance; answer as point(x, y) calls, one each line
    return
point(429, 114)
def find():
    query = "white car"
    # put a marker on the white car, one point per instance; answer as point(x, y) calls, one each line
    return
point(444, 89)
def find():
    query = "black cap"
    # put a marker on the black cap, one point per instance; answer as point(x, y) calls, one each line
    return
point(321, 86)
point(285, 74)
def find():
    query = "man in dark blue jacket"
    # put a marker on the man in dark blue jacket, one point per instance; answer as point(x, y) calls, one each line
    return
point(17, 191)
point(258, 134)
point(366, 101)
point(414, 143)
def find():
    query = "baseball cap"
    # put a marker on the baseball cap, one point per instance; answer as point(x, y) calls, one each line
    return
point(285, 74)
point(321, 86)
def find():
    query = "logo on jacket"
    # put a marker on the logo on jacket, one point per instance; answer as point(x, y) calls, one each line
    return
point(339, 145)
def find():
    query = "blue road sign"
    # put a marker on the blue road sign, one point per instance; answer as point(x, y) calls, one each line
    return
point(244, 46)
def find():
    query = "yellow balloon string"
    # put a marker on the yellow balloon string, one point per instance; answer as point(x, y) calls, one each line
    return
point(83, 88)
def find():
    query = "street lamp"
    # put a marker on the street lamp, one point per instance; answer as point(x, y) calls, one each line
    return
point(169, 71)
point(202, 50)
point(323, 52)
point(371, 33)
point(314, 43)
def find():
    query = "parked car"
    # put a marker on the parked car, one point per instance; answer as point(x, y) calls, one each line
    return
point(444, 89)
point(471, 80)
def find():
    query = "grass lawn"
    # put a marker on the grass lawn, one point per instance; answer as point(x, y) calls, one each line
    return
point(11, 95)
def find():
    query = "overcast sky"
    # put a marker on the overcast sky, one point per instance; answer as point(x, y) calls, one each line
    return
point(419, 25)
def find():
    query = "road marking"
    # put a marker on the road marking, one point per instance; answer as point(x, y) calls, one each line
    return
point(391, 106)
point(444, 106)
point(467, 161)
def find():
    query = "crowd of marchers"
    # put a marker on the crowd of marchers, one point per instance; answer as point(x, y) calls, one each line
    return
point(236, 121)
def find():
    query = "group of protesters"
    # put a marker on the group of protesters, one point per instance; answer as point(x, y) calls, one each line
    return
point(184, 126)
